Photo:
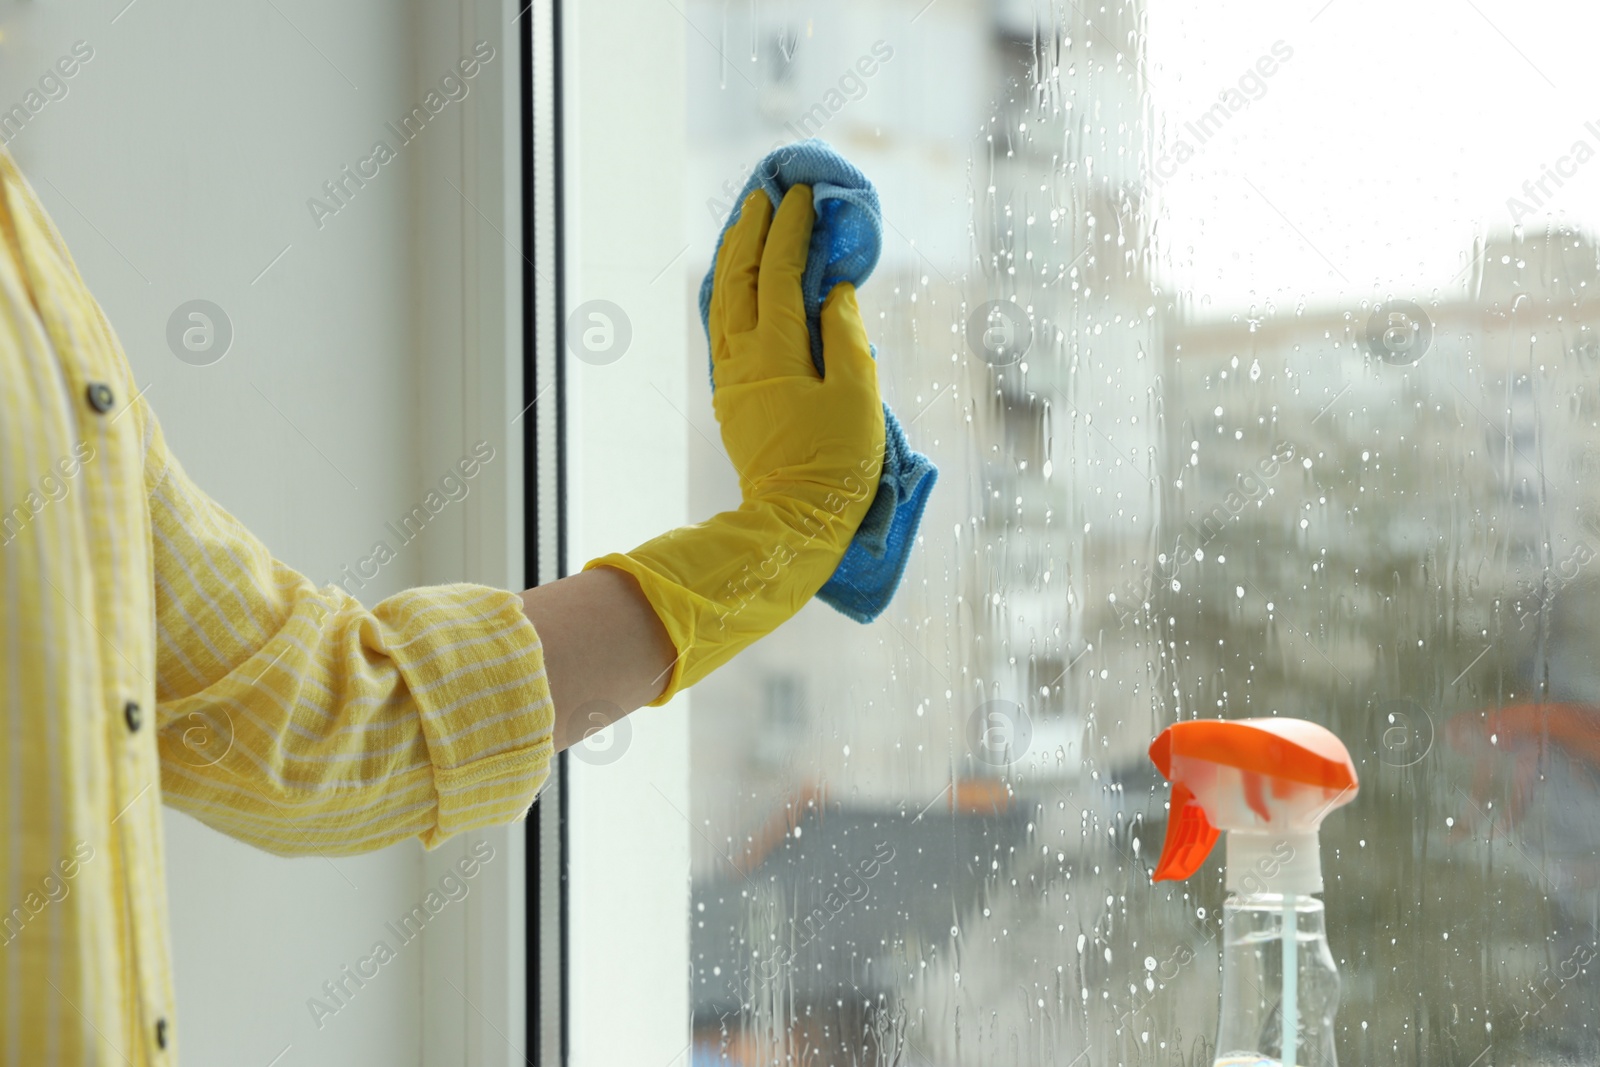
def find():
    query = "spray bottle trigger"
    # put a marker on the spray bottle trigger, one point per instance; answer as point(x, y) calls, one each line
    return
point(1190, 836)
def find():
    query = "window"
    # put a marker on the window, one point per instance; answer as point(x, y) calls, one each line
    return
point(1300, 422)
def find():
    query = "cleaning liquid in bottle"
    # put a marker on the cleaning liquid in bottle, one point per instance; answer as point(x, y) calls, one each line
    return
point(1267, 783)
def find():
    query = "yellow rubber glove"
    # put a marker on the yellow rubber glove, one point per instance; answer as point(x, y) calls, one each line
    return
point(808, 450)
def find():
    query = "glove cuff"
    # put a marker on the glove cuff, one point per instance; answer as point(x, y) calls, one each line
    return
point(722, 585)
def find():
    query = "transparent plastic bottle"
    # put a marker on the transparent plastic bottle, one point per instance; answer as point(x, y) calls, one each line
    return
point(1267, 784)
point(1250, 1032)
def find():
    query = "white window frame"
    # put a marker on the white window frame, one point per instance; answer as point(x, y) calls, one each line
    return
point(624, 145)
point(469, 199)
point(608, 917)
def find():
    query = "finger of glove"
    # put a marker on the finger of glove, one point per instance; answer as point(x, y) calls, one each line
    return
point(734, 288)
point(782, 305)
point(846, 354)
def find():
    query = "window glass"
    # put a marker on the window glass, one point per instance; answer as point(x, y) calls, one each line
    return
point(1256, 345)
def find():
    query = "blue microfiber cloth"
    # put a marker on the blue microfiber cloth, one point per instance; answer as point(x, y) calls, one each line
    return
point(845, 242)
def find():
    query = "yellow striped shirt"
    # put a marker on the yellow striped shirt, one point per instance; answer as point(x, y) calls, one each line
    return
point(152, 650)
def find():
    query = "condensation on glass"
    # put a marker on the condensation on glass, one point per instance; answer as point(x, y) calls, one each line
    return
point(1232, 421)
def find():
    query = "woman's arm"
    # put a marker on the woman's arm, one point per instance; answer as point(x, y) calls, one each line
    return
point(605, 652)
point(633, 628)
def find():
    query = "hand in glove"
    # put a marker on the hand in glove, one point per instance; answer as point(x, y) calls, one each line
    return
point(808, 450)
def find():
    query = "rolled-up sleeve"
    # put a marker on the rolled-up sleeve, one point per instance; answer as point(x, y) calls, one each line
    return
point(295, 719)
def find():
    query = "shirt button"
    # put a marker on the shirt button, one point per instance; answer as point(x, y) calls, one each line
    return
point(134, 717)
point(161, 1033)
point(100, 397)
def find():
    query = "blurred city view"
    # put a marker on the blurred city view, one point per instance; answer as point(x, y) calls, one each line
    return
point(1375, 506)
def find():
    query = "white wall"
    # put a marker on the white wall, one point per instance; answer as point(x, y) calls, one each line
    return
point(368, 355)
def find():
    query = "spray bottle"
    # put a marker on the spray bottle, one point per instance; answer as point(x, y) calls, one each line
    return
point(1267, 783)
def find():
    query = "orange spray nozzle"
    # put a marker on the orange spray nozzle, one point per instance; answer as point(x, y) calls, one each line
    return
point(1190, 836)
point(1274, 776)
